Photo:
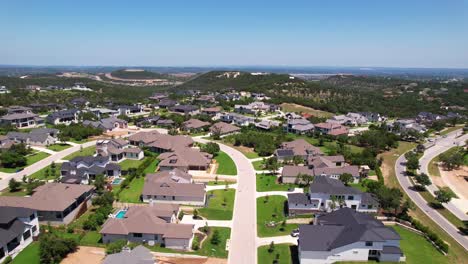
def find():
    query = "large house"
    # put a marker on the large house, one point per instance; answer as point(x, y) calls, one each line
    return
point(350, 119)
point(118, 150)
point(22, 120)
point(36, 137)
point(160, 143)
point(346, 235)
point(185, 159)
point(55, 203)
point(65, 117)
point(330, 166)
point(327, 194)
point(4, 90)
point(405, 125)
point(153, 224)
point(298, 147)
point(237, 119)
point(18, 226)
point(185, 109)
point(107, 124)
point(173, 186)
point(331, 128)
point(256, 108)
point(130, 109)
point(298, 126)
point(224, 129)
point(80, 170)
point(194, 125)
point(211, 111)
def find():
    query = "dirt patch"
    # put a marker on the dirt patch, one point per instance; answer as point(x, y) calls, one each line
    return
point(173, 260)
point(455, 179)
point(304, 109)
point(88, 255)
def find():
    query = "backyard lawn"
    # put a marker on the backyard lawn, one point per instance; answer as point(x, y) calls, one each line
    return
point(152, 167)
point(29, 255)
point(89, 151)
point(268, 183)
point(132, 193)
point(219, 250)
point(284, 253)
point(59, 146)
point(271, 209)
point(226, 165)
point(129, 163)
point(30, 159)
point(220, 205)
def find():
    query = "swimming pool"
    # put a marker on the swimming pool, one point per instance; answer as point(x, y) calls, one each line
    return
point(121, 214)
point(117, 181)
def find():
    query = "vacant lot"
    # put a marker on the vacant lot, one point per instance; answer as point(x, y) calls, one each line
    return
point(304, 109)
point(270, 216)
point(220, 205)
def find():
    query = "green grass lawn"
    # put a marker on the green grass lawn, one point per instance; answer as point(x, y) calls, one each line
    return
point(284, 253)
point(132, 193)
point(443, 211)
point(450, 129)
point(217, 251)
point(272, 208)
point(433, 167)
point(41, 174)
point(226, 164)
point(258, 165)
point(91, 238)
point(29, 255)
point(220, 205)
point(152, 167)
point(267, 183)
point(417, 249)
point(79, 141)
point(89, 151)
point(129, 163)
point(30, 159)
point(58, 146)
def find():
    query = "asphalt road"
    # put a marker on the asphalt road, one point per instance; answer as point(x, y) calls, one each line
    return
point(442, 145)
point(242, 247)
point(405, 183)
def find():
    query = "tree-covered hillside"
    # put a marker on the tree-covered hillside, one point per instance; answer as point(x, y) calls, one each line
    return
point(137, 74)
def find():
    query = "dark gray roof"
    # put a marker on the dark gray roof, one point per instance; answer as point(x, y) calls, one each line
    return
point(8, 214)
point(70, 113)
point(324, 184)
point(12, 231)
point(10, 227)
point(284, 153)
point(343, 227)
point(139, 255)
point(299, 198)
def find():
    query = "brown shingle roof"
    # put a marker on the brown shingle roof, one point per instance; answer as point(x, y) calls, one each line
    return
point(224, 128)
point(172, 183)
point(301, 147)
point(195, 124)
point(183, 157)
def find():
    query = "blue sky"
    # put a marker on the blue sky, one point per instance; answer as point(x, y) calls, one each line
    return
point(207, 33)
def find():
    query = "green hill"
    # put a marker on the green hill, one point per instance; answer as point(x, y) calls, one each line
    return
point(219, 80)
point(137, 74)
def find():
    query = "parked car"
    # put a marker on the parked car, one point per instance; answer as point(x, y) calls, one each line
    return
point(295, 232)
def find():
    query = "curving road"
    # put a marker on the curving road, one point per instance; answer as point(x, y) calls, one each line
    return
point(441, 146)
point(406, 185)
point(242, 246)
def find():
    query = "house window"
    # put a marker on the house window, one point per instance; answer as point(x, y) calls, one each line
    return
point(26, 235)
point(155, 237)
point(350, 197)
point(369, 243)
point(32, 217)
point(34, 229)
point(137, 235)
point(173, 198)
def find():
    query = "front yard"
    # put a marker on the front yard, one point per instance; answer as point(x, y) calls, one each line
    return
point(271, 212)
point(268, 183)
point(283, 253)
point(220, 205)
point(226, 165)
point(212, 250)
point(30, 159)
point(59, 146)
point(89, 151)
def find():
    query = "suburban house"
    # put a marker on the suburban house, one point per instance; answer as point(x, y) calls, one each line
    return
point(152, 224)
point(18, 109)
point(160, 143)
point(319, 165)
point(211, 111)
point(173, 186)
point(194, 125)
point(18, 226)
point(331, 128)
point(57, 203)
point(185, 159)
point(185, 109)
point(165, 123)
point(166, 103)
point(229, 97)
point(256, 108)
point(298, 126)
point(80, 170)
point(346, 235)
point(107, 124)
point(373, 117)
point(205, 99)
point(22, 120)
point(79, 102)
point(298, 147)
point(428, 118)
point(103, 112)
point(237, 119)
point(65, 117)
point(159, 96)
point(405, 125)
point(5, 143)
point(327, 194)
point(267, 124)
point(130, 109)
point(138, 255)
point(350, 119)
point(118, 150)
point(224, 129)
point(36, 137)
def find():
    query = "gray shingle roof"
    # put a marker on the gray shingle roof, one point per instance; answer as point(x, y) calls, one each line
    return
point(324, 184)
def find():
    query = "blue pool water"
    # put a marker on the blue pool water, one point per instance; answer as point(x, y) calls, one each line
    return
point(120, 214)
point(117, 181)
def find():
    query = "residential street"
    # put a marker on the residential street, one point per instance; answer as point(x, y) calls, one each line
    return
point(242, 248)
point(422, 204)
point(441, 146)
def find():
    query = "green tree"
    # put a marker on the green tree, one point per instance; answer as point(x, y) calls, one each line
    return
point(14, 185)
point(272, 165)
point(211, 148)
point(443, 196)
point(305, 178)
point(452, 159)
point(215, 239)
point(99, 183)
point(52, 249)
point(271, 248)
point(423, 180)
point(346, 178)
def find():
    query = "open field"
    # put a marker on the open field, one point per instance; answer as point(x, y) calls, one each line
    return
point(286, 107)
